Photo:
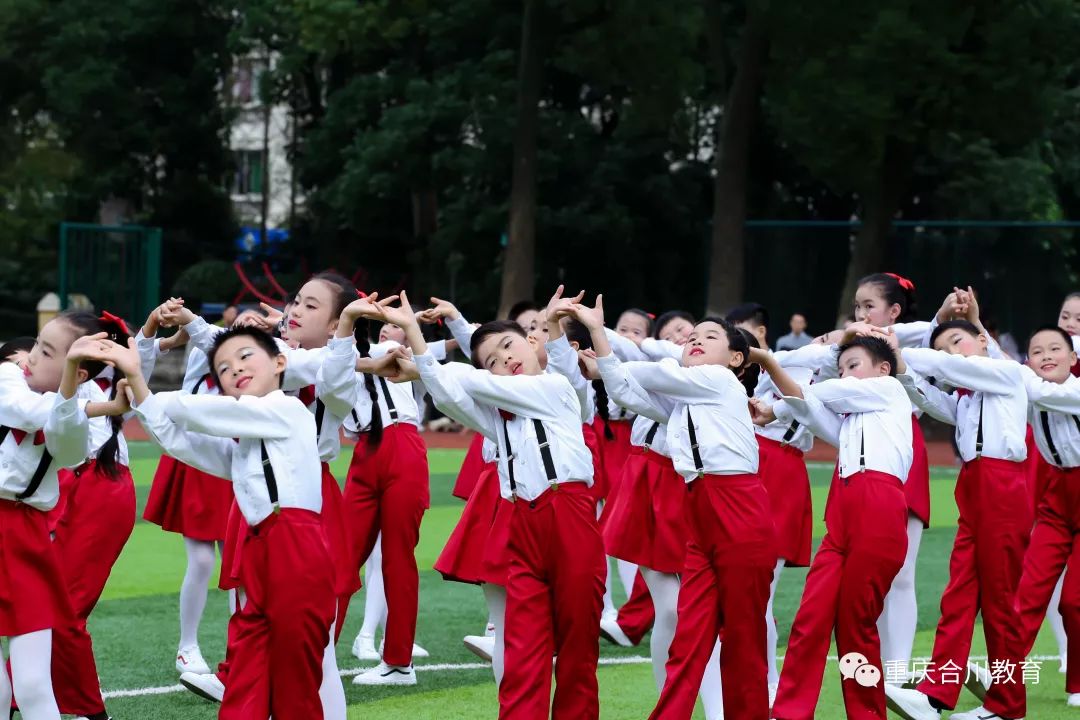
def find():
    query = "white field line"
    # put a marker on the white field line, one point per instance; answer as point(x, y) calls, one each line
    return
point(457, 667)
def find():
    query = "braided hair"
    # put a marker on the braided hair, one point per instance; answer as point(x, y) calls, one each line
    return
point(578, 333)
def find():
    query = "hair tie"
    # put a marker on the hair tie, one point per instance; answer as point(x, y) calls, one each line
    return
point(361, 294)
point(107, 318)
point(904, 282)
point(651, 315)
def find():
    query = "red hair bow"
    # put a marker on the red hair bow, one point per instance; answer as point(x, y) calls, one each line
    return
point(107, 318)
point(361, 294)
point(651, 315)
point(904, 282)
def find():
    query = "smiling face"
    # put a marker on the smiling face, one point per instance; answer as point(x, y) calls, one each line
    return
point(507, 353)
point(633, 327)
point(312, 318)
point(44, 365)
point(871, 306)
point(245, 368)
point(1069, 317)
point(857, 362)
point(676, 330)
point(708, 344)
point(957, 341)
point(1050, 356)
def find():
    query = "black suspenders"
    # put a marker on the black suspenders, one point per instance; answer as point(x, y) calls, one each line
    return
point(389, 400)
point(1044, 418)
point(39, 472)
point(545, 455)
point(320, 411)
point(268, 473)
point(651, 434)
point(698, 464)
point(198, 385)
point(979, 434)
point(790, 433)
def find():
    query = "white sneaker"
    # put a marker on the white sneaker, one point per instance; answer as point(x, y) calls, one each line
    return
point(978, 681)
point(384, 674)
point(190, 660)
point(363, 648)
point(205, 686)
point(1064, 665)
point(910, 704)
point(1074, 700)
point(417, 651)
point(481, 646)
point(610, 631)
point(979, 713)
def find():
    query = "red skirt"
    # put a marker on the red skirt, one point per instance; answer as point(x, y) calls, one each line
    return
point(232, 549)
point(614, 452)
point(784, 475)
point(463, 557)
point(188, 501)
point(647, 522)
point(917, 487)
point(471, 468)
point(599, 489)
point(33, 593)
point(346, 575)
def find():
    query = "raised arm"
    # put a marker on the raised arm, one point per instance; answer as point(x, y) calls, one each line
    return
point(813, 414)
point(625, 391)
point(209, 454)
point(272, 416)
point(701, 384)
point(336, 383)
point(20, 407)
point(974, 373)
point(67, 432)
point(655, 349)
point(1055, 397)
point(929, 398)
point(448, 395)
point(852, 395)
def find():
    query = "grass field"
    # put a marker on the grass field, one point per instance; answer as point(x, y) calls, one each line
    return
point(135, 625)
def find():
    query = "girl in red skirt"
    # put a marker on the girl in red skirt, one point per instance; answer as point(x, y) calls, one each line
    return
point(189, 502)
point(44, 429)
point(266, 442)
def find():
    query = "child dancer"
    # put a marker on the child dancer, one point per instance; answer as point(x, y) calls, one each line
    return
point(1054, 409)
point(866, 415)
point(989, 411)
point(731, 552)
point(266, 443)
point(554, 591)
point(44, 429)
point(191, 503)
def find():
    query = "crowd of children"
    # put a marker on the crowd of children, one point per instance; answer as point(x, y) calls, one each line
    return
point(665, 452)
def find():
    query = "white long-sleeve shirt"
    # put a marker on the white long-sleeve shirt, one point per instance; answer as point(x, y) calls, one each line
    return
point(649, 409)
point(791, 433)
point(716, 401)
point(994, 398)
point(869, 421)
point(563, 359)
point(475, 397)
point(223, 436)
point(1059, 404)
point(66, 430)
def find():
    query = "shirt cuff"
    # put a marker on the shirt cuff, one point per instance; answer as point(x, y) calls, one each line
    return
point(64, 409)
point(341, 347)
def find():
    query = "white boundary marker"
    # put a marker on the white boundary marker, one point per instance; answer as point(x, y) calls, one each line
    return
point(457, 667)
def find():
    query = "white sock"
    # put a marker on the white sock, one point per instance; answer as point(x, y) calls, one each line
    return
point(900, 615)
point(31, 676)
point(712, 691)
point(193, 591)
point(375, 596)
point(609, 605)
point(627, 575)
point(1053, 616)
point(664, 589)
point(770, 627)
point(5, 682)
point(332, 692)
point(495, 595)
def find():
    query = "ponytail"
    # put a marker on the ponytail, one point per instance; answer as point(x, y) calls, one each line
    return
point(601, 397)
point(750, 372)
point(363, 345)
point(86, 323)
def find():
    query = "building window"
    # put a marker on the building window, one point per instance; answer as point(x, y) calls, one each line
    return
point(244, 78)
point(248, 179)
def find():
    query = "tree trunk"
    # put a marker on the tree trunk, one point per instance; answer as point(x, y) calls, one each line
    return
point(879, 206)
point(518, 274)
point(726, 264)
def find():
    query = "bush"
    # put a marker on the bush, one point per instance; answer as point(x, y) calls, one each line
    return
point(207, 281)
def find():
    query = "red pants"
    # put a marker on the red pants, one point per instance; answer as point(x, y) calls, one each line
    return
point(725, 584)
point(984, 572)
point(864, 547)
point(637, 614)
point(98, 517)
point(1053, 548)
point(284, 626)
point(387, 491)
point(554, 597)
